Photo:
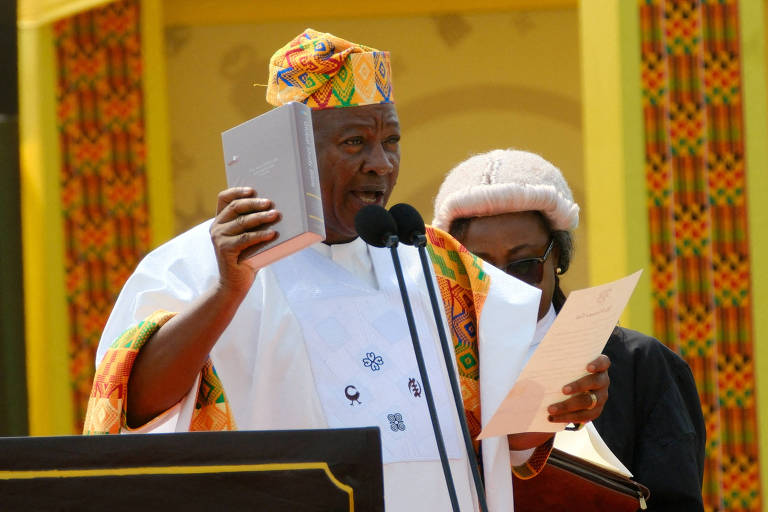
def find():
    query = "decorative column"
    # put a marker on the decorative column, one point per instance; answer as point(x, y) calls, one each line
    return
point(103, 177)
point(696, 181)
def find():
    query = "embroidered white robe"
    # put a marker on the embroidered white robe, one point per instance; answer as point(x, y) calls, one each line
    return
point(273, 378)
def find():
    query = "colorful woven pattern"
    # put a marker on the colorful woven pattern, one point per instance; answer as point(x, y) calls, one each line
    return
point(212, 410)
point(103, 179)
point(695, 177)
point(106, 406)
point(726, 184)
point(325, 71)
point(464, 287)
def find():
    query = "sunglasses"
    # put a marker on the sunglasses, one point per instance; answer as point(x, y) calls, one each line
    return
point(530, 270)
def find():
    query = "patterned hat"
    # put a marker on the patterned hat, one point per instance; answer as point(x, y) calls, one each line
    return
point(324, 71)
point(505, 181)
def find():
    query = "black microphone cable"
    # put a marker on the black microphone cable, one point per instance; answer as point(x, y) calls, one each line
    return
point(412, 231)
point(376, 227)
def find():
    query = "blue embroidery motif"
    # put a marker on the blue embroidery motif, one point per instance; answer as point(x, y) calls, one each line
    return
point(396, 422)
point(373, 361)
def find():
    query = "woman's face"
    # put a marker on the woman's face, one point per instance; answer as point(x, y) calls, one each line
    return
point(503, 239)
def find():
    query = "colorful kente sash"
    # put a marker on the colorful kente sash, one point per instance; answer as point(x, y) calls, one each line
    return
point(107, 404)
point(464, 287)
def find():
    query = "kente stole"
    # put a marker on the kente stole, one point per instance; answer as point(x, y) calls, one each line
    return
point(463, 287)
point(107, 404)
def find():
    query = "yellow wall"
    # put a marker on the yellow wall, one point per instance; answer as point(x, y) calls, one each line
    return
point(753, 18)
point(160, 189)
point(614, 170)
point(45, 309)
point(463, 84)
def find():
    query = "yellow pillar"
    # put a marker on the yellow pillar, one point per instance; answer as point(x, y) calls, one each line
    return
point(51, 409)
point(159, 176)
point(615, 212)
point(752, 22)
point(36, 13)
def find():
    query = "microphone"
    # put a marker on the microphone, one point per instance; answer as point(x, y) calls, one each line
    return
point(376, 227)
point(409, 223)
point(411, 231)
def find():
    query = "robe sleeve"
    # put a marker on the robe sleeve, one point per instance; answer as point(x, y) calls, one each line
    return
point(653, 420)
point(169, 278)
point(670, 449)
point(106, 412)
point(108, 402)
point(535, 462)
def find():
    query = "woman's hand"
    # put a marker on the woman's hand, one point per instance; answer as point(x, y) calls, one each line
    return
point(587, 395)
point(579, 408)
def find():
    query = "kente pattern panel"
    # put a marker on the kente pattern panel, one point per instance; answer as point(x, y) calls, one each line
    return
point(103, 172)
point(695, 177)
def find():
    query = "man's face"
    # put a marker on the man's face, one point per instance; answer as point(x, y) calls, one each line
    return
point(358, 158)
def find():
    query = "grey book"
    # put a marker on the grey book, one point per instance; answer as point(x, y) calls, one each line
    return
point(274, 153)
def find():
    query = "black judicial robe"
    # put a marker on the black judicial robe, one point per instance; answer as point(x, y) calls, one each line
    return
point(652, 420)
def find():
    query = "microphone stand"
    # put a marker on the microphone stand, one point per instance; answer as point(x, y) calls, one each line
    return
point(391, 243)
point(420, 241)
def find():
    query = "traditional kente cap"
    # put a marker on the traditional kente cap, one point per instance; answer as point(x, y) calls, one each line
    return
point(325, 71)
point(504, 181)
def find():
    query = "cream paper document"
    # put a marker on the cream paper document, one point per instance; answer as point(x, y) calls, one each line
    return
point(587, 444)
point(576, 337)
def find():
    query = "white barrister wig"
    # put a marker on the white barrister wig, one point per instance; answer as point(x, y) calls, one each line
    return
point(505, 181)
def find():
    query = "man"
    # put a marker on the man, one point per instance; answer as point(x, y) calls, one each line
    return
point(317, 339)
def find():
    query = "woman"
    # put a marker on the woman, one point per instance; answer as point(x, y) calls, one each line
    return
point(515, 210)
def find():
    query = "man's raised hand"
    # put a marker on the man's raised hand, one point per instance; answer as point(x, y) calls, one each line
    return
point(242, 220)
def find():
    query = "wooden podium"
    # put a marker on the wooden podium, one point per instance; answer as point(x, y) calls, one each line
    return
point(308, 470)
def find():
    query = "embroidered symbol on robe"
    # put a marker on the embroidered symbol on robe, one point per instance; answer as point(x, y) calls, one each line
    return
point(414, 387)
point(396, 422)
point(373, 361)
point(352, 395)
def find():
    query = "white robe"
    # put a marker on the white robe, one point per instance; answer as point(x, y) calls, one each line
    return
point(272, 364)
